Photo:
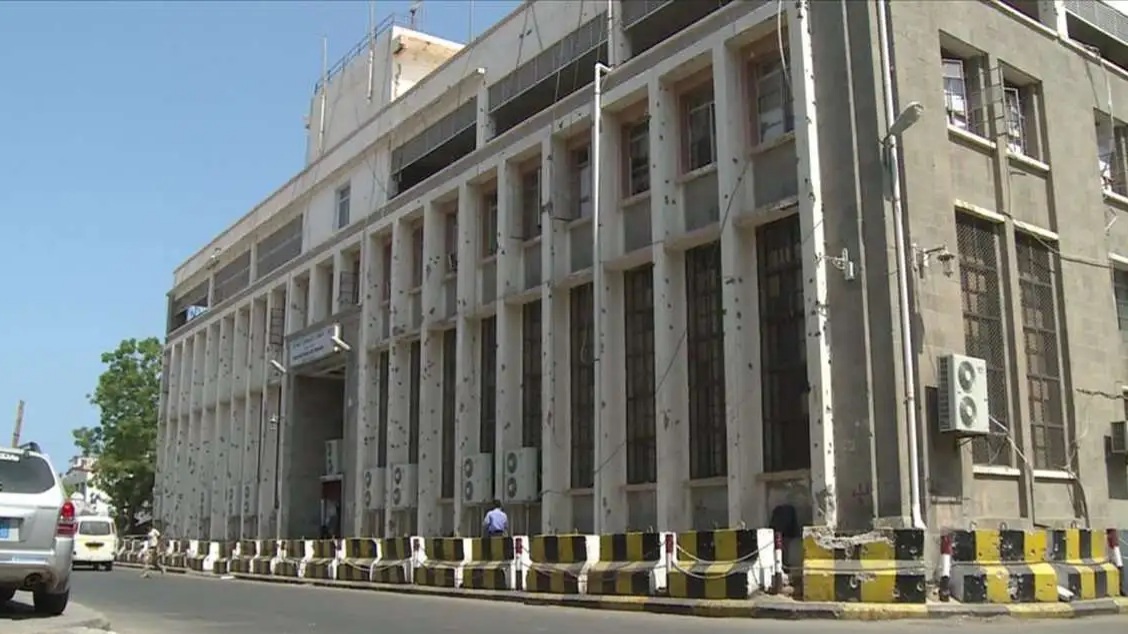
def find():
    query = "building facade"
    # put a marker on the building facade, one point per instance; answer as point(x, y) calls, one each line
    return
point(682, 305)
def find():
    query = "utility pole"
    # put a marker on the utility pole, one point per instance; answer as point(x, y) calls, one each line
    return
point(19, 425)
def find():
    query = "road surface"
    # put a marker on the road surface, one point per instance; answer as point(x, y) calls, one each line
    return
point(179, 604)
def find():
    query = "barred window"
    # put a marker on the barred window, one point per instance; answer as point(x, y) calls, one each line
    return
point(637, 157)
point(700, 128)
point(489, 224)
point(384, 365)
point(413, 408)
point(450, 384)
point(1037, 288)
point(487, 402)
point(531, 204)
point(783, 347)
point(583, 386)
point(531, 375)
point(1120, 289)
point(638, 309)
point(705, 349)
point(984, 328)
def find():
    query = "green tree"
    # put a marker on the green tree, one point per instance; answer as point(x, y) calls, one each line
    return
point(124, 441)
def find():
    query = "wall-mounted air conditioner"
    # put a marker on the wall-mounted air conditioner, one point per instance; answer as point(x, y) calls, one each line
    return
point(521, 475)
point(963, 407)
point(404, 487)
point(477, 478)
point(372, 489)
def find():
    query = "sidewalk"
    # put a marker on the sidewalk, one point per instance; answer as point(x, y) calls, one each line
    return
point(758, 608)
point(78, 619)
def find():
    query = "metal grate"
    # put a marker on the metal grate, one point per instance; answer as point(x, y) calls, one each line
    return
point(450, 382)
point(414, 363)
point(488, 402)
point(984, 329)
point(1038, 296)
point(233, 278)
point(1100, 15)
point(382, 410)
point(531, 374)
point(550, 61)
point(638, 308)
point(460, 120)
point(783, 347)
point(278, 248)
point(581, 312)
point(705, 349)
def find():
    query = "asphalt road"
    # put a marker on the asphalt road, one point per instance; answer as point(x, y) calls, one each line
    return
point(178, 604)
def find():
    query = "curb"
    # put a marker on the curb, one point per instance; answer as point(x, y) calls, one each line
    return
point(764, 608)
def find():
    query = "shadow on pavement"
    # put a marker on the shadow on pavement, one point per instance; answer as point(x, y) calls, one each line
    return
point(18, 610)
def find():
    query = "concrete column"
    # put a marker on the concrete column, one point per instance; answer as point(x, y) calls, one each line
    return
point(744, 411)
point(556, 432)
point(219, 492)
point(824, 490)
point(254, 428)
point(466, 392)
point(612, 511)
point(240, 388)
point(399, 382)
point(298, 305)
point(671, 388)
point(318, 310)
point(167, 459)
point(190, 529)
point(619, 49)
point(485, 127)
point(338, 267)
point(508, 360)
point(365, 388)
point(431, 375)
point(184, 409)
point(1052, 14)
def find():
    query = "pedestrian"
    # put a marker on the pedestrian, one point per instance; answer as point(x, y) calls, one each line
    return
point(496, 522)
point(154, 544)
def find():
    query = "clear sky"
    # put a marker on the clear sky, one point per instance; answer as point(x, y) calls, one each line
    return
point(133, 133)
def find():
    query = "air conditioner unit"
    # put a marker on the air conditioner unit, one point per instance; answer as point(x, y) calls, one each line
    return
point(404, 490)
point(333, 457)
point(372, 488)
point(452, 262)
point(521, 473)
point(477, 478)
point(963, 406)
point(1119, 444)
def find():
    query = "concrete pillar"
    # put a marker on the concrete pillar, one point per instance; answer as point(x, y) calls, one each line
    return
point(399, 382)
point(184, 408)
point(612, 510)
point(619, 49)
point(510, 281)
point(339, 265)
point(823, 486)
point(365, 387)
point(744, 411)
point(221, 497)
point(167, 458)
point(466, 392)
point(485, 127)
point(431, 375)
point(318, 309)
point(190, 529)
point(671, 390)
point(556, 432)
point(1052, 14)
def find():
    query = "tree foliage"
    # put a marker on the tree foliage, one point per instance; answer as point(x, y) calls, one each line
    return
point(124, 442)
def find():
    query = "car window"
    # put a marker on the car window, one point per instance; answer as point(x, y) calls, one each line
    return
point(95, 528)
point(20, 473)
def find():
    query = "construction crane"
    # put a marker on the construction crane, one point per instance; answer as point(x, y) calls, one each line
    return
point(19, 424)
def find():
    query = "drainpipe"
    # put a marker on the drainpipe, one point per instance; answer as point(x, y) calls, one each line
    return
point(903, 268)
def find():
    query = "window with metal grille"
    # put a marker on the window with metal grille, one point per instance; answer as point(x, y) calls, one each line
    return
point(1120, 290)
point(531, 204)
point(774, 107)
point(489, 224)
point(637, 157)
point(955, 92)
point(583, 386)
point(343, 195)
point(417, 255)
point(384, 366)
point(977, 241)
point(487, 402)
point(700, 128)
point(531, 374)
point(387, 281)
point(1015, 118)
point(638, 317)
point(1038, 296)
point(450, 383)
point(705, 349)
point(581, 182)
point(1110, 160)
point(783, 346)
point(413, 408)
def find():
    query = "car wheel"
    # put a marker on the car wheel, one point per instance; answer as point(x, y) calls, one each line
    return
point(51, 604)
point(110, 567)
point(6, 594)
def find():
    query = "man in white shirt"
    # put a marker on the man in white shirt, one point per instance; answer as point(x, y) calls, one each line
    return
point(153, 547)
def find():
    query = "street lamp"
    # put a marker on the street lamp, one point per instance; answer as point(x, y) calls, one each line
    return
point(907, 119)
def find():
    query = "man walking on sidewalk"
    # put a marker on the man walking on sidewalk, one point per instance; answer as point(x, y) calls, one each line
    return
point(154, 546)
point(496, 523)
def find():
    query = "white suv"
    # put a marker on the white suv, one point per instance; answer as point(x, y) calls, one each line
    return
point(37, 526)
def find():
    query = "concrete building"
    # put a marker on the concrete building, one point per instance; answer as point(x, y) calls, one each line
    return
point(413, 324)
point(86, 495)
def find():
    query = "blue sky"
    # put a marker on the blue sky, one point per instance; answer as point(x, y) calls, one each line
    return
point(133, 133)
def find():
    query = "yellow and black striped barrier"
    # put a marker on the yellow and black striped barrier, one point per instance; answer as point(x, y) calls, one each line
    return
point(293, 553)
point(241, 563)
point(721, 564)
point(493, 563)
point(881, 566)
point(221, 556)
point(1081, 559)
point(396, 563)
point(197, 553)
point(177, 557)
point(442, 562)
point(630, 564)
point(357, 558)
point(266, 552)
point(559, 563)
point(321, 559)
point(1001, 566)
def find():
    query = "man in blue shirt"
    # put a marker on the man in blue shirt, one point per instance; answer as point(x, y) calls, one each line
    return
point(496, 522)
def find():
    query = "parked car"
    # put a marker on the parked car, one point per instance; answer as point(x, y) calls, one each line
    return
point(95, 542)
point(37, 527)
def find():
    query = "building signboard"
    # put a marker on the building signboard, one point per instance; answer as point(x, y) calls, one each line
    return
point(314, 345)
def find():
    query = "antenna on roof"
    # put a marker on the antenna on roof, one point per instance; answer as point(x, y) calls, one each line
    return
point(413, 14)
